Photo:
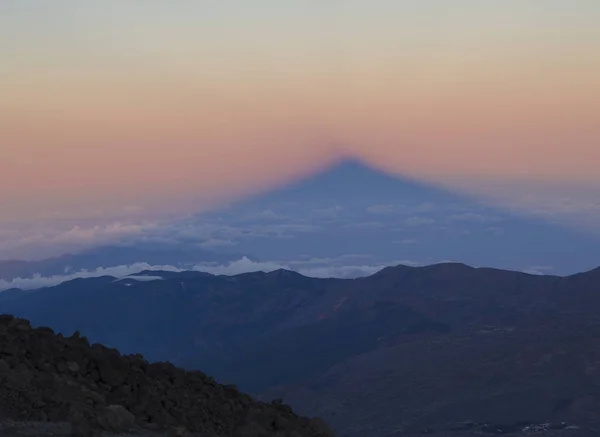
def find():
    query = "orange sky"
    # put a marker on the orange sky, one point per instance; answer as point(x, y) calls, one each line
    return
point(108, 107)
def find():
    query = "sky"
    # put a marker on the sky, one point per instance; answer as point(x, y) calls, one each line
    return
point(119, 111)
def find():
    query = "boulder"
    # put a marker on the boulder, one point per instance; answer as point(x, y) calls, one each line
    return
point(115, 418)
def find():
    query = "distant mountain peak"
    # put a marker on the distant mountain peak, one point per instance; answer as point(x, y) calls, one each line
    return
point(150, 273)
point(285, 273)
point(443, 267)
point(449, 265)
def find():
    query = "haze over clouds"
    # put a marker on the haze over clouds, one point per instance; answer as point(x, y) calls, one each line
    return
point(113, 110)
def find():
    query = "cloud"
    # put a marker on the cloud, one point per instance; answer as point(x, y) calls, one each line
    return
point(214, 233)
point(574, 204)
point(539, 270)
point(342, 259)
point(142, 278)
point(364, 225)
point(281, 229)
point(423, 207)
point(471, 217)
point(54, 238)
point(406, 241)
point(381, 209)
point(347, 272)
point(39, 281)
point(267, 214)
point(331, 212)
point(216, 243)
point(418, 221)
point(94, 234)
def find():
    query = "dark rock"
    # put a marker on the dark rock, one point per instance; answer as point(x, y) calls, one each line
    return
point(4, 367)
point(73, 367)
point(115, 418)
point(177, 431)
point(48, 377)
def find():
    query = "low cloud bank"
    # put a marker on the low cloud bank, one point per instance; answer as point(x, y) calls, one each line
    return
point(39, 281)
point(318, 268)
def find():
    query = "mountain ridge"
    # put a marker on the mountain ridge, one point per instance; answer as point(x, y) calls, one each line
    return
point(449, 266)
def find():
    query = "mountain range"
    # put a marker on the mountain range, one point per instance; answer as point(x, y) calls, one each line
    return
point(445, 349)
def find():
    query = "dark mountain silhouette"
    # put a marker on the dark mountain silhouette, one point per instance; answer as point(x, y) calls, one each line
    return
point(446, 349)
point(96, 391)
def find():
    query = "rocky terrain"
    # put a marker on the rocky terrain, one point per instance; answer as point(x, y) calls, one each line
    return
point(56, 385)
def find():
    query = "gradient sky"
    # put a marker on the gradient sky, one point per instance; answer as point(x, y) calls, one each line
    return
point(116, 106)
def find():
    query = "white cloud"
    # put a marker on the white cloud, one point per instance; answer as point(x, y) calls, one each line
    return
point(539, 270)
point(38, 281)
point(347, 272)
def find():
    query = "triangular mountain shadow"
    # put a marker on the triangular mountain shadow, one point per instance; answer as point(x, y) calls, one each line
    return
point(350, 180)
point(356, 209)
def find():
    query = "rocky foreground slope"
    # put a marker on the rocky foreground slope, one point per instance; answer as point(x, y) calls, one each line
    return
point(92, 390)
